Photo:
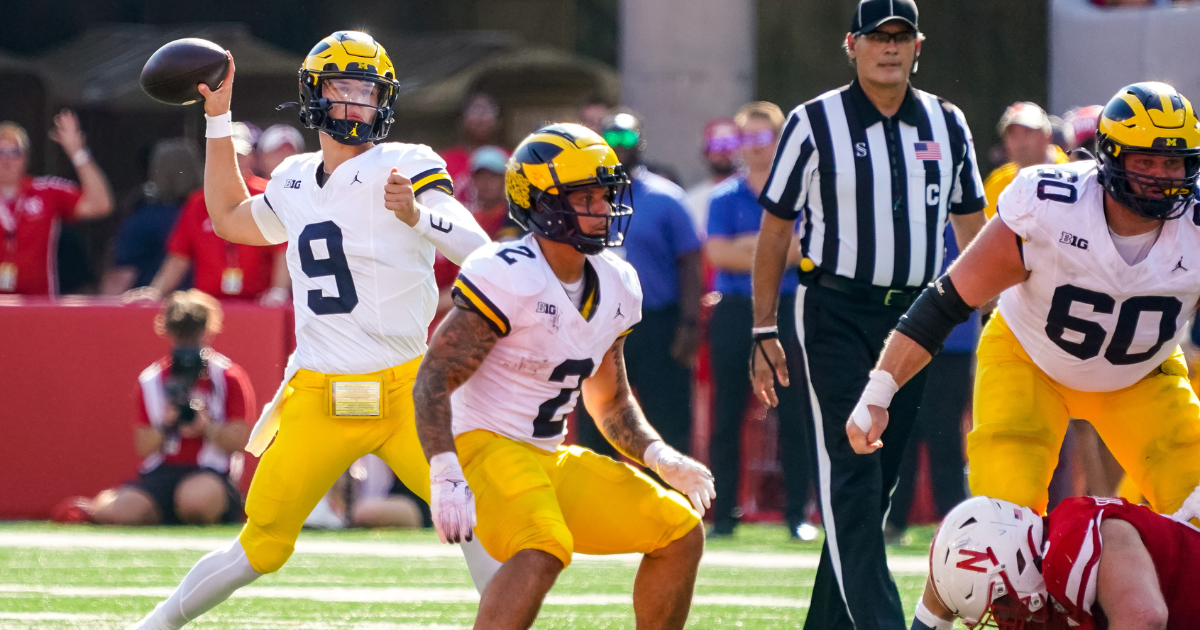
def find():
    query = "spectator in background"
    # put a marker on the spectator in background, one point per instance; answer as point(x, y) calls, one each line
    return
point(480, 126)
point(593, 113)
point(490, 207)
point(276, 144)
point(141, 242)
point(662, 246)
point(223, 269)
point(939, 422)
point(733, 223)
point(1083, 122)
point(32, 207)
point(1025, 129)
point(184, 474)
point(721, 142)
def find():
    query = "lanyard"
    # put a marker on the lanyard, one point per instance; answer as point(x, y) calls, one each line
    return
point(231, 256)
point(9, 223)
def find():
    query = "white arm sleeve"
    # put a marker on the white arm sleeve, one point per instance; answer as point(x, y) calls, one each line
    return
point(268, 222)
point(449, 226)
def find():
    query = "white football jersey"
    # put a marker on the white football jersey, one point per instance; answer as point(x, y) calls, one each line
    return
point(362, 281)
point(1090, 320)
point(531, 379)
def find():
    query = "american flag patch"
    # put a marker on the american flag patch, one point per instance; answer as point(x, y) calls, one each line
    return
point(927, 150)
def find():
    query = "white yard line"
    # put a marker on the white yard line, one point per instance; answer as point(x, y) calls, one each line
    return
point(368, 595)
point(902, 565)
point(122, 621)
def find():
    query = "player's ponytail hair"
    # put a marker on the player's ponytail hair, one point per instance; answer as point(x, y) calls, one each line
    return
point(188, 315)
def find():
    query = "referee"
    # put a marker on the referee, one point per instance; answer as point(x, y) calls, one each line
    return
point(874, 169)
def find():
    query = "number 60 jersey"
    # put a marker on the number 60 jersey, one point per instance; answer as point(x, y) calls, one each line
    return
point(547, 347)
point(1087, 318)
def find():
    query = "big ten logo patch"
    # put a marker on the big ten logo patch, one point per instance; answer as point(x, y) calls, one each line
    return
point(548, 309)
point(1073, 241)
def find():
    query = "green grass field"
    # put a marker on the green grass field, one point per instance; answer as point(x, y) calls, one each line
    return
point(57, 577)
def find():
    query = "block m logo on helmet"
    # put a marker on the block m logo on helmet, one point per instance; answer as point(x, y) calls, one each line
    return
point(348, 88)
point(1149, 150)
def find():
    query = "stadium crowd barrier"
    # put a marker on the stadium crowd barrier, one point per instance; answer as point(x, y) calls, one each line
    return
point(68, 375)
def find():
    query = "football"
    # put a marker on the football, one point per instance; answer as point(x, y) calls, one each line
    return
point(173, 71)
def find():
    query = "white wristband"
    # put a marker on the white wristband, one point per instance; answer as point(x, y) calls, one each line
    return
point(764, 329)
point(926, 616)
point(81, 157)
point(879, 391)
point(219, 126)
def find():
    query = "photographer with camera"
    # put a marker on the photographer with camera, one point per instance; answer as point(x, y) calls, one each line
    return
point(192, 409)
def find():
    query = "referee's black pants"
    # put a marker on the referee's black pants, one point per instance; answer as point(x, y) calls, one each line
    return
point(841, 338)
point(663, 387)
point(729, 347)
point(939, 426)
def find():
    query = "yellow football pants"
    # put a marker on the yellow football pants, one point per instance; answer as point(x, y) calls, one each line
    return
point(313, 448)
point(1152, 427)
point(571, 499)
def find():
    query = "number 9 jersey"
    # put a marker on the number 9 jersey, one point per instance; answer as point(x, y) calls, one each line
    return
point(1085, 316)
point(547, 347)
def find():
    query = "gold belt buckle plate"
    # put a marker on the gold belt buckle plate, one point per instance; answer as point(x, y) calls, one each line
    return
point(356, 397)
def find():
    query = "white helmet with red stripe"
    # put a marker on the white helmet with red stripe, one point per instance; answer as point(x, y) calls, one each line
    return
point(986, 564)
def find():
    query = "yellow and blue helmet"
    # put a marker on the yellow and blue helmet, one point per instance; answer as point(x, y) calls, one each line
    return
point(348, 55)
point(1150, 119)
point(555, 161)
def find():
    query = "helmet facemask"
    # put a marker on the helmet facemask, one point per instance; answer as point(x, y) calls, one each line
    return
point(556, 219)
point(370, 96)
point(1121, 183)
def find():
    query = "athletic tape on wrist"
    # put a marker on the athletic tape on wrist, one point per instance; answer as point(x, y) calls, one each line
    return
point(926, 617)
point(81, 157)
point(878, 392)
point(653, 452)
point(219, 126)
point(445, 466)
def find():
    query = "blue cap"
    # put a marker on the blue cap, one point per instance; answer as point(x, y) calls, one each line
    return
point(490, 158)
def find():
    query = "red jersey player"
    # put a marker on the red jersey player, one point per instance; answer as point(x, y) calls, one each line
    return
point(1093, 563)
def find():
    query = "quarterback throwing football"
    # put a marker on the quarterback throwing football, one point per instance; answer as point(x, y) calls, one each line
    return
point(361, 221)
point(1097, 264)
point(536, 321)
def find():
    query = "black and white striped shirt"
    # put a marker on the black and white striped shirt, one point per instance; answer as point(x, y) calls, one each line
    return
point(875, 192)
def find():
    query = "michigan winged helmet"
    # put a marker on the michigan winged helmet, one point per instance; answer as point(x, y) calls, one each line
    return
point(554, 162)
point(1149, 119)
point(351, 72)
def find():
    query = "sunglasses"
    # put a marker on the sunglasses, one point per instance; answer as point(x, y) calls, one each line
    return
point(722, 144)
point(881, 37)
point(622, 138)
point(759, 139)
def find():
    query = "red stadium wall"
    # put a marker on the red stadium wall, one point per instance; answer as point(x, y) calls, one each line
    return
point(68, 369)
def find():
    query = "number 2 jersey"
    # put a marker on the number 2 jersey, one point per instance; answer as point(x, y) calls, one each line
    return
point(1086, 317)
point(1072, 559)
point(362, 281)
point(530, 380)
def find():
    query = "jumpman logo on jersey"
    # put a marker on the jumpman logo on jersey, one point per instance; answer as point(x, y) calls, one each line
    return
point(1179, 265)
point(356, 179)
point(619, 313)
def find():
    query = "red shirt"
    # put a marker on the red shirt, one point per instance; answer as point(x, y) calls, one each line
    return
point(458, 165)
point(194, 239)
point(239, 398)
point(1073, 558)
point(29, 224)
